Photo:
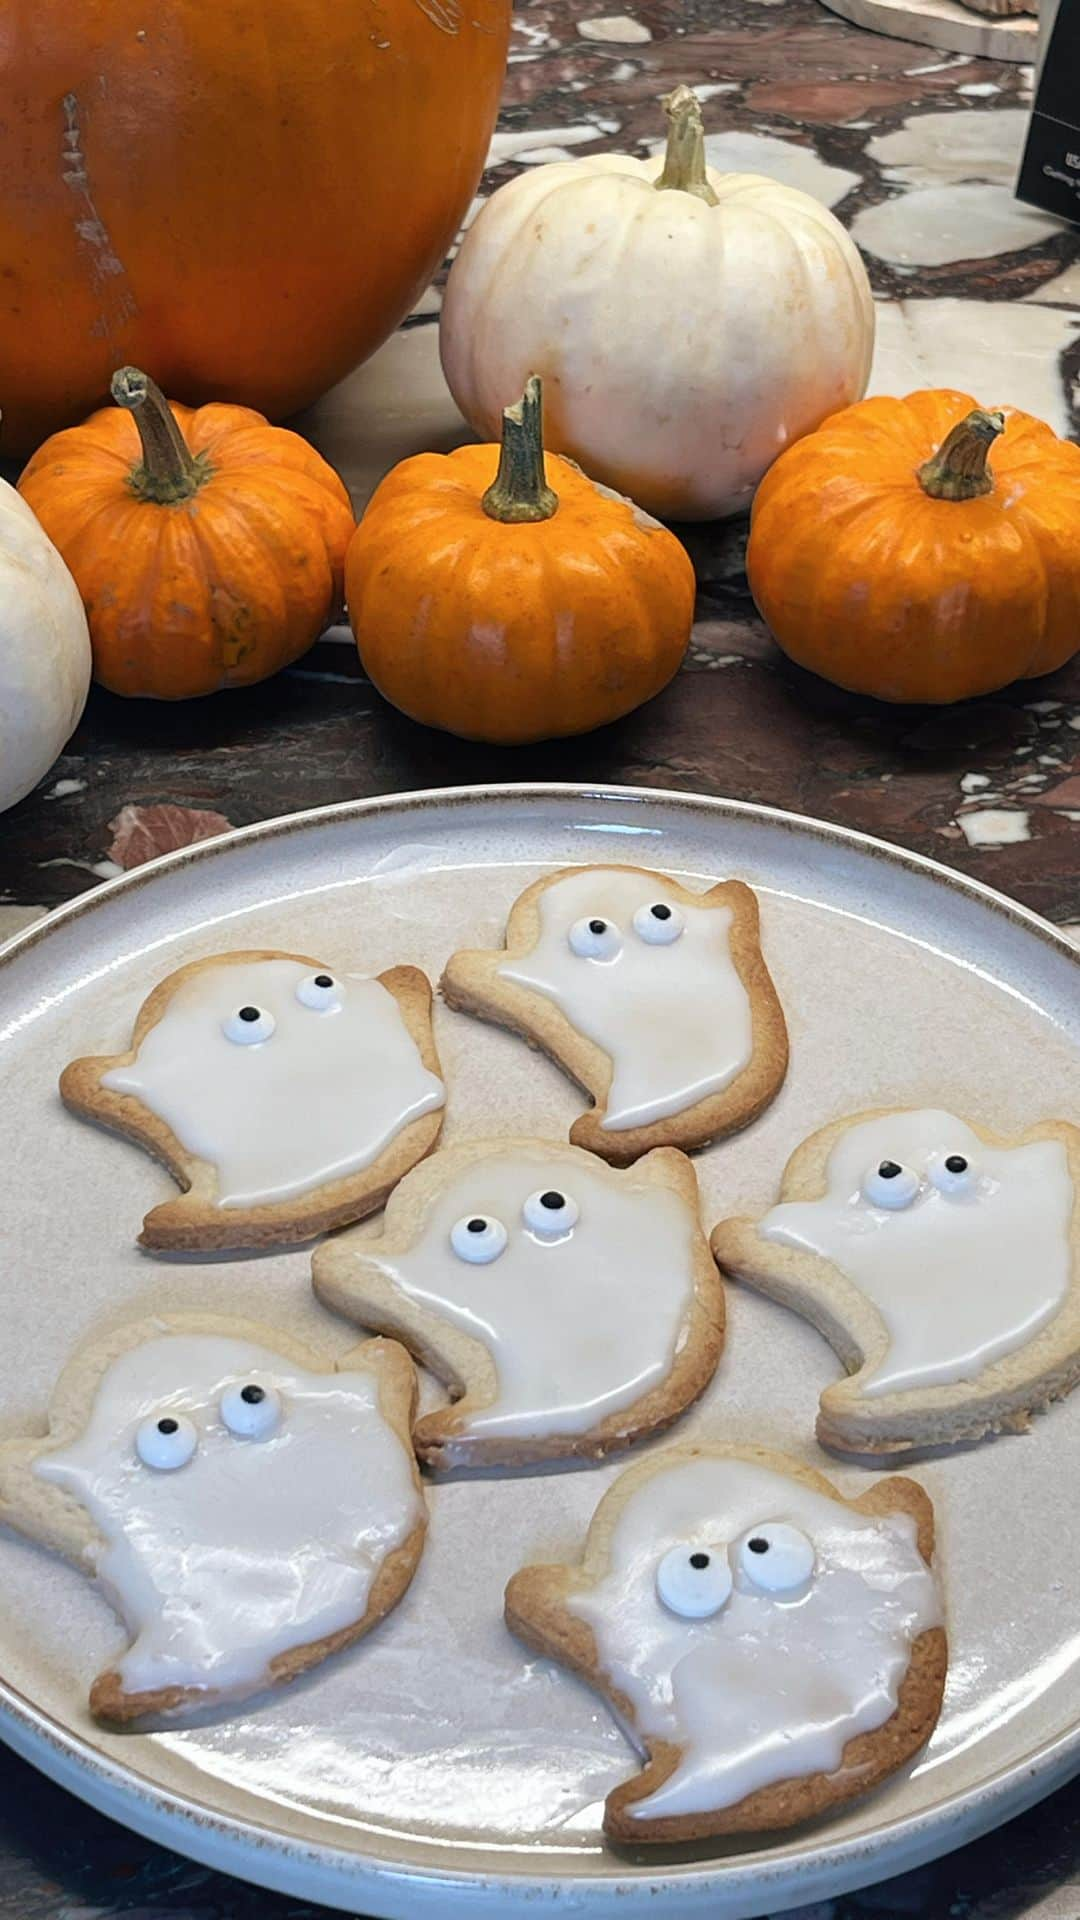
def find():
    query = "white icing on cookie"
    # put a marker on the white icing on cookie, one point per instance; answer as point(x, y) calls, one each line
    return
point(766, 1687)
point(964, 1265)
point(333, 1082)
point(253, 1545)
point(672, 1014)
point(579, 1323)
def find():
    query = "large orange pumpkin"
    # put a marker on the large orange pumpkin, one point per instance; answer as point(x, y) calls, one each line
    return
point(922, 549)
point(208, 546)
point(507, 598)
point(242, 196)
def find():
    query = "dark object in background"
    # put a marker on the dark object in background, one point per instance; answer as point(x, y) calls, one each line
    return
point(1050, 169)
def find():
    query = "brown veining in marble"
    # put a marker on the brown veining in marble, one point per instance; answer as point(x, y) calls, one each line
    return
point(829, 100)
point(140, 834)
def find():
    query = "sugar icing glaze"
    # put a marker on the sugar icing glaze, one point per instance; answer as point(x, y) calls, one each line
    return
point(617, 1270)
point(672, 1014)
point(964, 1263)
point(251, 1545)
point(329, 1080)
point(769, 1686)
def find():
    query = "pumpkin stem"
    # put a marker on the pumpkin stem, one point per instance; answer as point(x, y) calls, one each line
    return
point(520, 490)
point(168, 472)
point(684, 161)
point(958, 470)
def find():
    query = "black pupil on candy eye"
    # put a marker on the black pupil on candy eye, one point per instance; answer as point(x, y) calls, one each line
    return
point(757, 1545)
point(597, 926)
point(660, 912)
point(888, 1171)
point(248, 1013)
point(323, 980)
point(956, 1163)
point(476, 1226)
point(699, 1561)
point(167, 1426)
point(253, 1395)
point(553, 1201)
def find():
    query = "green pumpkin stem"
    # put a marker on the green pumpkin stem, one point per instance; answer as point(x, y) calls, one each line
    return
point(684, 160)
point(958, 470)
point(168, 473)
point(519, 491)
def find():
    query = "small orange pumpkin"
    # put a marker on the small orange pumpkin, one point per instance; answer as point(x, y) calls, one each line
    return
point(208, 546)
point(500, 607)
point(889, 556)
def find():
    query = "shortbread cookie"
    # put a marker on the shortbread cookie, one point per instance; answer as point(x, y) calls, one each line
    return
point(940, 1261)
point(247, 1507)
point(773, 1649)
point(655, 999)
point(284, 1098)
point(570, 1308)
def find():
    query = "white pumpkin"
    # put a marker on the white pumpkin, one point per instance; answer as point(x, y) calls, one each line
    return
point(44, 650)
point(687, 324)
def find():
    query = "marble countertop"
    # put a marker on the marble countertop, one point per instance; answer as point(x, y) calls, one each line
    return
point(916, 151)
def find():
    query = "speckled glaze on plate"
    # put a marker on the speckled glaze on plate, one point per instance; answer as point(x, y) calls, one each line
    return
point(436, 1767)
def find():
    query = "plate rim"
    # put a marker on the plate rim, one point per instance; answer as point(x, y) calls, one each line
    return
point(258, 1850)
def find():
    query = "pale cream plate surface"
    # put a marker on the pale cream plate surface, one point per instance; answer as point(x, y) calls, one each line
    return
point(436, 1766)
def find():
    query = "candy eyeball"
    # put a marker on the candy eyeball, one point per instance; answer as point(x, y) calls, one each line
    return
point(694, 1582)
point(250, 1411)
point(660, 924)
point(595, 939)
point(776, 1558)
point(954, 1174)
point(248, 1025)
point(478, 1238)
point(891, 1186)
point(550, 1214)
point(321, 992)
point(166, 1441)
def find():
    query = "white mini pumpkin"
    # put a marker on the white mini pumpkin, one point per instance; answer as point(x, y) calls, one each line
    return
point(44, 650)
point(687, 324)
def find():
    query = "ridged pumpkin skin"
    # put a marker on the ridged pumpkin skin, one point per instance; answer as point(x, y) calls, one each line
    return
point(217, 590)
point(242, 196)
point(682, 342)
point(874, 585)
point(510, 633)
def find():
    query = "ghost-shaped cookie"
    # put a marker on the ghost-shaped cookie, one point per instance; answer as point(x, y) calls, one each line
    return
point(772, 1649)
point(283, 1097)
point(655, 999)
point(247, 1507)
point(941, 1262)
point(570, 1307)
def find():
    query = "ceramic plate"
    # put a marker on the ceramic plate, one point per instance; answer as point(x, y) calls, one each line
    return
point(436, 1767)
